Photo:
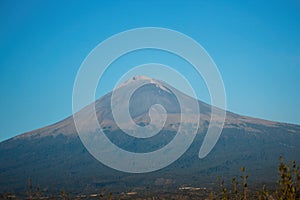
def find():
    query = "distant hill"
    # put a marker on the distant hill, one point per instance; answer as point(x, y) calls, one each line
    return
point(55, 158)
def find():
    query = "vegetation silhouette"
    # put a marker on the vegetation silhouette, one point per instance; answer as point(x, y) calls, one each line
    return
point(287, 188)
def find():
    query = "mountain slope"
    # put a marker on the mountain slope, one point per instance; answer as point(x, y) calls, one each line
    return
point(55, 158)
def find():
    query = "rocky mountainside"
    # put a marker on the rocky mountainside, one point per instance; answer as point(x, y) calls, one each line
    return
point(55, 158)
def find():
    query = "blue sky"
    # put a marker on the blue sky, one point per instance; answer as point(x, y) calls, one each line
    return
point(255, 44)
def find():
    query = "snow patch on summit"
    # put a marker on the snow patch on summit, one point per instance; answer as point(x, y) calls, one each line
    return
point(144, 79)
point(160, 86)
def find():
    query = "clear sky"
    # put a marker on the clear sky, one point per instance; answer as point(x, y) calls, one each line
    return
point(255, 44)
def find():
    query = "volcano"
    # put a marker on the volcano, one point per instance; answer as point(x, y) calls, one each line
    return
point(55, 158)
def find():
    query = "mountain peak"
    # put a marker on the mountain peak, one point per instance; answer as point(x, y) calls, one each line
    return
point(144, 79)
point(141, 77)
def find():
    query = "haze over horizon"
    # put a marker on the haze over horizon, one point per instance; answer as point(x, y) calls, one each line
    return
point(256, 46)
